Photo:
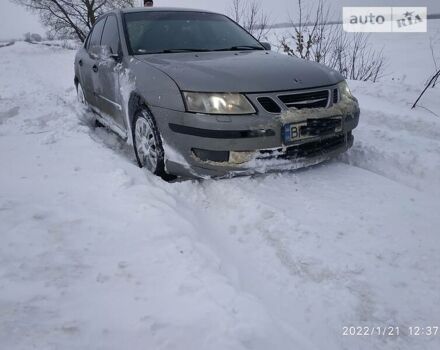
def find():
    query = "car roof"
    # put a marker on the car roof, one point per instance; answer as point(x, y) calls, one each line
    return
point(161, 9)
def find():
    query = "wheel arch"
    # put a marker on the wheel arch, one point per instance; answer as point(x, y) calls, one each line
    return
point(135, 103)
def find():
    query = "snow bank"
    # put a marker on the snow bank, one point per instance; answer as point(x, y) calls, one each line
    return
point(344, 107)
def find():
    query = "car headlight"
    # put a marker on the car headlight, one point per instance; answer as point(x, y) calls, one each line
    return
point(213, 103)
point(344, 90)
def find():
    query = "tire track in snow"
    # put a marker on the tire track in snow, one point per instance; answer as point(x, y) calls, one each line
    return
point(269, 249)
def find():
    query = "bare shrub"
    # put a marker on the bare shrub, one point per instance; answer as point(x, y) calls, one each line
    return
point(35, 37)
point(27, 37)
point(251, 16)
point(315, 38)
point(71, 18)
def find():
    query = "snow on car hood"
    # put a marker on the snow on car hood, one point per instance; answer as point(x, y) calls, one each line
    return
point(244, 71)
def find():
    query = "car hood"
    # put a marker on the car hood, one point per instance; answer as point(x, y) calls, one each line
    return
point(248, 71)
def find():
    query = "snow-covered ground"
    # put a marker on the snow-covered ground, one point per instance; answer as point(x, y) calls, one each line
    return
point(96, 253)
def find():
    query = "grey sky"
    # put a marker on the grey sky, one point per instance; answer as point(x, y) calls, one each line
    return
point(15, 21)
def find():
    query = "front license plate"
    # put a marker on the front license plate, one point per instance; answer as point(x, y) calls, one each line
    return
point(292, 132)
point(320, 127)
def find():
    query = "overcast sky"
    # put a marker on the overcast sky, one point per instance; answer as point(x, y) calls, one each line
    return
point(15, 21)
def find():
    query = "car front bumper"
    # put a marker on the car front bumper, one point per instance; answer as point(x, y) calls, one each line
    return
point(199, 145)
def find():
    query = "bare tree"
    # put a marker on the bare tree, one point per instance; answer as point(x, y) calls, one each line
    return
point(316, 38)
point(432, 81)
point(251, 16)
point(431, 84)
point(72, 17)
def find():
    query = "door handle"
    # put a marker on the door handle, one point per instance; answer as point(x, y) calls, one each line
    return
point(95, 68)
point(80, 63)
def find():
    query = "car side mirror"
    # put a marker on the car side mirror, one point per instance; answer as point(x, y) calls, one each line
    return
point(107, 51)
point(116, 56)
point(267, 46)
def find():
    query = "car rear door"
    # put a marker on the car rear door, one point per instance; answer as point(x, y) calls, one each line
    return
point(88, 63)
point(108, 94)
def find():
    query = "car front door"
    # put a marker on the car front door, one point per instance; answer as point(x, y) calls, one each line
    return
point(88, 64)
point(108, 94)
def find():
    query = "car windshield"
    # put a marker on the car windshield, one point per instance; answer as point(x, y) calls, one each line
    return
point(171, 31)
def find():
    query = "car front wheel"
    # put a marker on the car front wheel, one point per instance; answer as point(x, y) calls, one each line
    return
point(148, 144)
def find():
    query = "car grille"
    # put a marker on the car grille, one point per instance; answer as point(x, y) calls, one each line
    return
point(321, 127)
point(269, 105)
point(315, 99)
point(309, 149)
point(335, 96)
point(315, 148)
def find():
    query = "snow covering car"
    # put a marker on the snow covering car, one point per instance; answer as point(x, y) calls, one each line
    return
point(197, 95)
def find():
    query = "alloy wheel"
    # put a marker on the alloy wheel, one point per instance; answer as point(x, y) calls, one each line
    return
point(146, 146)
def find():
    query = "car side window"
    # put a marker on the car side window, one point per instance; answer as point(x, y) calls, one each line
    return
point(86, 42)
point(110, 36)
point(95, 38)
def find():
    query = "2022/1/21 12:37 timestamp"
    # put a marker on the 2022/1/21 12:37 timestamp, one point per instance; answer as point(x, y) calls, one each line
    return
point(390, 331)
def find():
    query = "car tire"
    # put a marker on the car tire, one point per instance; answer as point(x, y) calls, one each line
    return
point(147, 144)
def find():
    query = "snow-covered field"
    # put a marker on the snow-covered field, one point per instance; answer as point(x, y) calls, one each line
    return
point(95, 253)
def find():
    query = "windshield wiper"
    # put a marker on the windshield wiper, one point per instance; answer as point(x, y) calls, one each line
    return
point(233, 48)
point(241, 48)
point(173, 51)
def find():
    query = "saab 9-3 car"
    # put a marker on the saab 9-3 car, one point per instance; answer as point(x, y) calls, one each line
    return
point(199, 96)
